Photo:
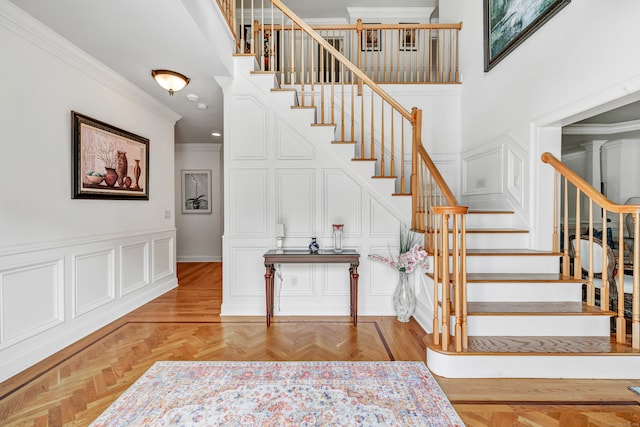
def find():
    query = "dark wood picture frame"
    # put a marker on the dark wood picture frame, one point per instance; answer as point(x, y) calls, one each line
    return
point(371, 40)
point(408, 39)
point(505, 28)
point(107, 162)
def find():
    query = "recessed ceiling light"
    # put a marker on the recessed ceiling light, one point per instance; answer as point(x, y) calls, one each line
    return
point(202, 106)
point(216, 133)
point(192, 97)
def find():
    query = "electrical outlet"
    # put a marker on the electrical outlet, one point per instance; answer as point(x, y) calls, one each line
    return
point(167, 214)
point(294, 281)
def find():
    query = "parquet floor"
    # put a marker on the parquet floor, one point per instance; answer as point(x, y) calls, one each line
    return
point(74, 386)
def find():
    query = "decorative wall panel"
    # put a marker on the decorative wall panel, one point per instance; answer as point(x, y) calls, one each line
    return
point(293, 146)
point(247, 275)
point(383, 277)
point(163, 258)
point(94, 281)
point(249, 138)
point(482, 173)
point(134, 266)
point(249, 208)
point(515, 176)
point(31, 300)
point(382, 223)
point(295, 206)
point(342, 203)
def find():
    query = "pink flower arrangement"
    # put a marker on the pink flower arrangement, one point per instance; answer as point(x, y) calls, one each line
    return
point(411, 253)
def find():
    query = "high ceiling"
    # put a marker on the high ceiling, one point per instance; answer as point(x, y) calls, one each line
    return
point(132, 37)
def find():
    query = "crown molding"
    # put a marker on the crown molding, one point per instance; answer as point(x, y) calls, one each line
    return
point(28, 28)
point(601, 128)
point(390, 15)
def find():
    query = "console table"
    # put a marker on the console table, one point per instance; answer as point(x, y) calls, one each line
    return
point(347, 256)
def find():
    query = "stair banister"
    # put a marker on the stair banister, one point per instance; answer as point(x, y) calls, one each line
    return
point(593, 195)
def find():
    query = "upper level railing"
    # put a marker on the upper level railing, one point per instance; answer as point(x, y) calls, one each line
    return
point(386, 53)
point(228, 9)
point(567, 184)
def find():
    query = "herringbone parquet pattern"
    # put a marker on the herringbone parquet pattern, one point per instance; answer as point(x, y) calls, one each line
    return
point(75, 386)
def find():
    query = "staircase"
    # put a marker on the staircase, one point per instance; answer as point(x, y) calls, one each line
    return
point(521, 318)
point(524, 319)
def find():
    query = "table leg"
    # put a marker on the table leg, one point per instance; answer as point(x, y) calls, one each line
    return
point(268, 282)
point(353, 282)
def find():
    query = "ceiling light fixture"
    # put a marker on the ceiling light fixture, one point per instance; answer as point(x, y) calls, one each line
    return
point(170, 80)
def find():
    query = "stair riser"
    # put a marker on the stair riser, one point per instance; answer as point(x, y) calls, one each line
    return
point(512, 264)
point(495, 240)
point(489, 221)
point(522, 325)
point(514, 292)
point(539, 366)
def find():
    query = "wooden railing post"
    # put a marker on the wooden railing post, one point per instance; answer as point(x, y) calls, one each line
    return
point(416, 123)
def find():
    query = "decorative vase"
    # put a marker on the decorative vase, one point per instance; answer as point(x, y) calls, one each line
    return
point(314, 247)
point(121, 167)
point(337, 237)
point(404, 299)
point(127, 182)
point(136, 174)
point(111, 177)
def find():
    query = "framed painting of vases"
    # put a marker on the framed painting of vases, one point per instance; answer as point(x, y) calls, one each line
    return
point(107, 162)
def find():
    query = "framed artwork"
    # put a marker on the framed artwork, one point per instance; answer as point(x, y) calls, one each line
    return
point(107, 162)
point(507, 23)
point(248, 38)
point(196, 191)
point(408, 39)
point(371, 40)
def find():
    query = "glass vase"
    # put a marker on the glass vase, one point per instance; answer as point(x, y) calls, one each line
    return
point(337, 237)
point(404, 299)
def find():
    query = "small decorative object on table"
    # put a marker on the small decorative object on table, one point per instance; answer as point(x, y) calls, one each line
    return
point(314, 247)
point(410, 257)
point(337, 237)
point(279, 237)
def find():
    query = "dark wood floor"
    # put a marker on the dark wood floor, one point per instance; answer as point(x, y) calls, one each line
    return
point(74, 386)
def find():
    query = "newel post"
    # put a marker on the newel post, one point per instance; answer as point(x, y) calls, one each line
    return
point(416, 140)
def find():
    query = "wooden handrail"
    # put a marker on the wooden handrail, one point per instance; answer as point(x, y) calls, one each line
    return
point(587, 188)
point(348, 64)
point(354, 27)
point(435, 173)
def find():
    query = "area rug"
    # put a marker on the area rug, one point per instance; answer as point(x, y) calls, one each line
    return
point(283, 394)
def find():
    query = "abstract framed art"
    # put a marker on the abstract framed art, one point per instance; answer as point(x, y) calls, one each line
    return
point(107, 162)
point(196, 191)
point(507, 23)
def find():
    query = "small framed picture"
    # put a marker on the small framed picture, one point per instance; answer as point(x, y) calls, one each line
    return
point(371, 40)
point(408, 39)
point(196, 191)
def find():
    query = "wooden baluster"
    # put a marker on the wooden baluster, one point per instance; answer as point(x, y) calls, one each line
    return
point(430, 57)
point(590, 289)
point(446, 298)
point(621, 324)
point(635, 311)
point(322, 79)
point(577, 261)
point(359, 53)
point(382, 147)
point(393, 145)
point(436, 282)
point(403, 188)
point(283, 74)
point(565, 228)
point(457, 56)
point(457, 295)
point(463, 277)
point(342, 122)
point(604, 291)
point(555, 213)
point(353, 110)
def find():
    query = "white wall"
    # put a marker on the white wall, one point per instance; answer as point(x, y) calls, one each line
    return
point(199, 236)
point(577, 64)
point(69, 267)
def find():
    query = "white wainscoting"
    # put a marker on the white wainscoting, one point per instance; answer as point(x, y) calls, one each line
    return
point(54, 294)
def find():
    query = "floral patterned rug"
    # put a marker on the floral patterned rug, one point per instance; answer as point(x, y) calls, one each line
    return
point(283, 394)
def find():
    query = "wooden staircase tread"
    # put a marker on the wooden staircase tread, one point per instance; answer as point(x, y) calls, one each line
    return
point(520, 277)
point(528, 308)
point(401, 194)
point(283, 89)
point(303, 107)
point(539, 346)
point(494, 230)
point(384, 177)
point(344, 142)
point(323, 124)
point(484, 212)
point(510, 252)
point(265, 72)
point(364, 160)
